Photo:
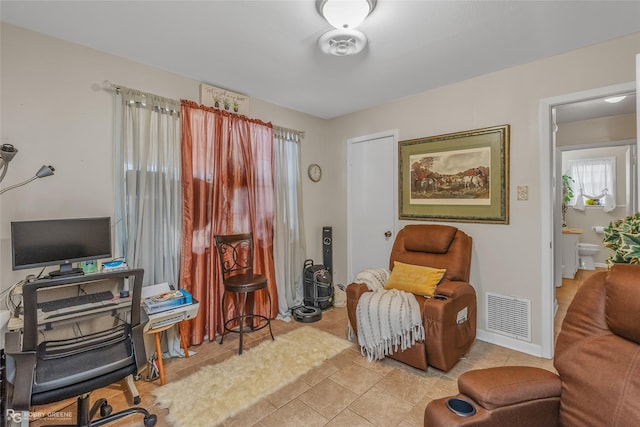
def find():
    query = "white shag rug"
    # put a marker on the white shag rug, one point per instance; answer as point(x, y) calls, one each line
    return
point(216, 392)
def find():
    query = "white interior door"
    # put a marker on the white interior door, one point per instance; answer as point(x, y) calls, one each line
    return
point(371, 201)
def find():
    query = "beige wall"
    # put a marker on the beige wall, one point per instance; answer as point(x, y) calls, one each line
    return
point(506, 258)
point(54, 111)
point(596, 131)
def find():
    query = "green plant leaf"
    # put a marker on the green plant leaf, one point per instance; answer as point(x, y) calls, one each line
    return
point(630, 248)
point(623, 237)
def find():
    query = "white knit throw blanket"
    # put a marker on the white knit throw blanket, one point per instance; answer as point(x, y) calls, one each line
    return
point(387, 319)
point(374, 278)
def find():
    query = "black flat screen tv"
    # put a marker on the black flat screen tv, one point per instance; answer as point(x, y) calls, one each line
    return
point(59, 242)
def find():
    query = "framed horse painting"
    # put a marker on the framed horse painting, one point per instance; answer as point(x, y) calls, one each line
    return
point(462, 177)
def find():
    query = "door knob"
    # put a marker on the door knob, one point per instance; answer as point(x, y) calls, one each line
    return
point(387, 234)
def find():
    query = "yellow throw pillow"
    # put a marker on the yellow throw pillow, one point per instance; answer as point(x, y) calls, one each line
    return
point(414, 278)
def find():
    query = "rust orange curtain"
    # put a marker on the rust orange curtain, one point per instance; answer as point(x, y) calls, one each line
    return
point(227, 188)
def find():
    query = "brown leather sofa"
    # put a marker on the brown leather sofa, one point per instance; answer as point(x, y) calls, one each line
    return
point(597, 359)
point(446, 338)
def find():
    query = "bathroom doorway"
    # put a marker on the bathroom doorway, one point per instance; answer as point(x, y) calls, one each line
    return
point(551, 112)
point(595, 129)
point(591, 217)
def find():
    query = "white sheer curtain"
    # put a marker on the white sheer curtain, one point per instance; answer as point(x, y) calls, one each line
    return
point(289, 249)
point(148, 196)
point(593, 179)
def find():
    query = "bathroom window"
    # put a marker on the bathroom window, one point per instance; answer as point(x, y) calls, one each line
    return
point(594, 183)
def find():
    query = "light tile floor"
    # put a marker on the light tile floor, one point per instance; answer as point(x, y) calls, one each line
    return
point(346, 390)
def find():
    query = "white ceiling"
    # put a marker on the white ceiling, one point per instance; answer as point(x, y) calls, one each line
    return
point(268, 49)
point(595, 108)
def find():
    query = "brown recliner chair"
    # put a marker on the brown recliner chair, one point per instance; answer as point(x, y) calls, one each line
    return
point(597, 359)
point(449, 333)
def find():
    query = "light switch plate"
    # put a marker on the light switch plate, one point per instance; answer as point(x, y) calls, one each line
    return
point(523, 192)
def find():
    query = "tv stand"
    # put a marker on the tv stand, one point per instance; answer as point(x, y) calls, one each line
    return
point(66, 270)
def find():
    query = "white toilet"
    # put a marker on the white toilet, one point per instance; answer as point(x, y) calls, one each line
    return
point(586, 251)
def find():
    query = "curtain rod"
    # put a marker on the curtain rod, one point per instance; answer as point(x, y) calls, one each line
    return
point(299, 133)
point(107, 85)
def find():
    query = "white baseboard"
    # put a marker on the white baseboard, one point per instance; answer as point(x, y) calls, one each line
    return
point(514, 344)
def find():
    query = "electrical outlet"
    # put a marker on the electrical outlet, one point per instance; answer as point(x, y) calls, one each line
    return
point(523, 192)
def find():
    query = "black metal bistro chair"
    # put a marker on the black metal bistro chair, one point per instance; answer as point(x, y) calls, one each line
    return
point(236, 259)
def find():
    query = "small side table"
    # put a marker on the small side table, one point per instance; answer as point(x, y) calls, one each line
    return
point(158, 332)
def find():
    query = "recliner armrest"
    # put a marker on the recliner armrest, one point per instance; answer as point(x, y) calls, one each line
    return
point(452, 289)
point(497, 387)
point(354, 292)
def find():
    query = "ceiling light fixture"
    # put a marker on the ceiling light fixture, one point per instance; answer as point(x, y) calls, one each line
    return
point(342, 42)
point(344, 16)
point(615, 99)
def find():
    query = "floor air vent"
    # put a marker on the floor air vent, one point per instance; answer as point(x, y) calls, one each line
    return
point(509, 316)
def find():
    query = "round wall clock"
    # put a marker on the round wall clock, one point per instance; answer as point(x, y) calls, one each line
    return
point(315, 172)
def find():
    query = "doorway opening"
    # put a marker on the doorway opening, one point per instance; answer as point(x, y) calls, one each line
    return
point(551, 193)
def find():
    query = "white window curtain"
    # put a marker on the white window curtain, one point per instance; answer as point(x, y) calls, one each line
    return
point(593, 179)
point(148, 195)
point(289, 249)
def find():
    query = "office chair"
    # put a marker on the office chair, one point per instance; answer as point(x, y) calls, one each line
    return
point(58, 357)
point(236, 259)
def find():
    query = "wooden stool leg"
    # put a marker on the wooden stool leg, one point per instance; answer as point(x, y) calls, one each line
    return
point(159, 351)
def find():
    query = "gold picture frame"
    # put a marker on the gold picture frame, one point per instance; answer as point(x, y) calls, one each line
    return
point(460, 177)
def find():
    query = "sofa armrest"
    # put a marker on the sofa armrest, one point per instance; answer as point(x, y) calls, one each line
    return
point(497, 387)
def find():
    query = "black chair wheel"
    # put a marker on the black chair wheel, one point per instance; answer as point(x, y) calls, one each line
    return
point(105, 410)
point(150, 421)
point(136, 400)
